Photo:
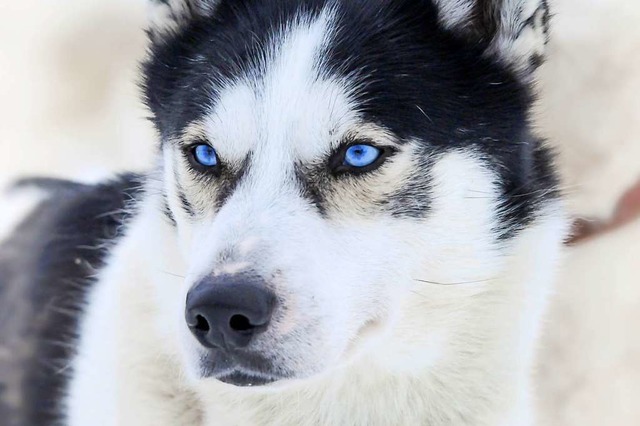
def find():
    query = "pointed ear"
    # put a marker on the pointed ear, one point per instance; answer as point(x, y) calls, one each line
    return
point(514, 31)
point(168, 16)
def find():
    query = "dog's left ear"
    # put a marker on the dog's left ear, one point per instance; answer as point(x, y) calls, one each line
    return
point(168, 16)
point(514, 31)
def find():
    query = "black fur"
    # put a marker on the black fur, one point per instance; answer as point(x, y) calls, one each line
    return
point(47, 267)
point(414, 78)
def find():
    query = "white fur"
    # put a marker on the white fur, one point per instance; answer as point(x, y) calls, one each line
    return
point(592, 112)
point(511, 44)
point(515, 44)
point(259, 118)
point(454, 352)
point(455, 13)
point(427, 321)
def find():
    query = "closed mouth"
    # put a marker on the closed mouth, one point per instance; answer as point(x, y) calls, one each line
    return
point(246, 379)
point(238, 369)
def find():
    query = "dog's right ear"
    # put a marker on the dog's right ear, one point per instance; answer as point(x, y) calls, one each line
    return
point(168, 16)
point(513, 31)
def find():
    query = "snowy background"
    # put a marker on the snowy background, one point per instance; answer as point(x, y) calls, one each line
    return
point(69, 107)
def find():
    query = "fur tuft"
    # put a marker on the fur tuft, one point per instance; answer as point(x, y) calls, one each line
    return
point(514, 31)
point(169, 16)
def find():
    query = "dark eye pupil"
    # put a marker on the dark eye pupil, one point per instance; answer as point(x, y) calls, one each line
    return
point(205, 155)
point(362, 155)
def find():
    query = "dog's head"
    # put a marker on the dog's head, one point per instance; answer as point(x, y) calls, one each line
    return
point(323, 160)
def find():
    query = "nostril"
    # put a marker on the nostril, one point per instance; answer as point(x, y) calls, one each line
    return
point(240, 323)
point(202, 324)
point(228, 312)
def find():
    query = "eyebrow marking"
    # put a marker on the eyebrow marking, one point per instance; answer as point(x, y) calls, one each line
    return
point(196, 130)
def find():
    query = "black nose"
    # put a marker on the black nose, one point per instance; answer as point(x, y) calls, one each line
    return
point(228, 311)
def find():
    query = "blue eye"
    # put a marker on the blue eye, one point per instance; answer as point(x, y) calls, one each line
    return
point(205, 155)
point(361, 155)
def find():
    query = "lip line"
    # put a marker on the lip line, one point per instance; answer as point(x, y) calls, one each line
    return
point(247, 376)
point(212, 372)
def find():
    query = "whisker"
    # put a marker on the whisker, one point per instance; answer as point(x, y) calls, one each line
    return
point(542, 192)
point(456, 283)
point(424, 113)
point(174, 275)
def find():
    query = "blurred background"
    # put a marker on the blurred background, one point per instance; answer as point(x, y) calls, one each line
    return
point(69, 107)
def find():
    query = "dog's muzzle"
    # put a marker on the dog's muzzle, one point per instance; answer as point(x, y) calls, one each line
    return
point(226, 314)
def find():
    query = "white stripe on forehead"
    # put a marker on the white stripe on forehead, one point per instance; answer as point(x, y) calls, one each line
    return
point(287, 109)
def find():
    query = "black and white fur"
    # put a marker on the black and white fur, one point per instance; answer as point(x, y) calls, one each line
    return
point(409, 294)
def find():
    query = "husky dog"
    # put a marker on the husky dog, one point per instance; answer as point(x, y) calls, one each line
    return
point(350, 222)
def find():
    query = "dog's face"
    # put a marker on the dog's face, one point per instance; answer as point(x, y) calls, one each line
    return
point(323, 160)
